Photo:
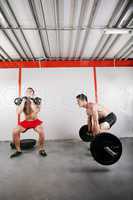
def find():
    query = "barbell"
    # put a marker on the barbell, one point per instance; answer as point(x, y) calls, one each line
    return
point(36, 100)
point(105, 147)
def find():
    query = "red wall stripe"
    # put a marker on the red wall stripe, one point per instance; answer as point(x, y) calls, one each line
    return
point(19, 85)
point(95, 84)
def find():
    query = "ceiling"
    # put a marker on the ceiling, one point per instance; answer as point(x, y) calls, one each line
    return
point(65, 29)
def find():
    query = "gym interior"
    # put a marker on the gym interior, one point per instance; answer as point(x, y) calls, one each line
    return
point(64, 51)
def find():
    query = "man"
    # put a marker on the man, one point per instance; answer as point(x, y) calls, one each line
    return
point(30, 110)
point(100, 119)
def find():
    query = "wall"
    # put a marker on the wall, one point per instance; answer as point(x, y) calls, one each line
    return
point(58, 87)
point(8, 91)
point(115, 89)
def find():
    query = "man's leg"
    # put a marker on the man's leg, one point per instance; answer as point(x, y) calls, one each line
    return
point(110, 120)
point(40, 130)
point(16, 137)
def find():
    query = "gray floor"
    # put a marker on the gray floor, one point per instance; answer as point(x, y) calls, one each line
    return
point(68, 173)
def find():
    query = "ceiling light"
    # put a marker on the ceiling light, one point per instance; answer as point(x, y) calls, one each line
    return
point(117, 31)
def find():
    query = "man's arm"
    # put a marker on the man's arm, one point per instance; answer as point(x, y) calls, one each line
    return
point(95, 125)
point(89, 123)
point(20, 108)
point(35, 108)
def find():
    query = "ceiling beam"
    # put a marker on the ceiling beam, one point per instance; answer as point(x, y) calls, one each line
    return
point(66, 64)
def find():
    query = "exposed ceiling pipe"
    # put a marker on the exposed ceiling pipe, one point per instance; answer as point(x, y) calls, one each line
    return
point(119, 53)
point(15, 35)
point(91, 18)
point(56, 26)
point(126, 16)
point(117, 36)
point(7, 55)
point(127, 56)
point(35, 17)
point(126, 52)
point(15, 18)
point(83, 9)
point(121, 5)
point(73, 9)
point(44, 22)
point(2, 57)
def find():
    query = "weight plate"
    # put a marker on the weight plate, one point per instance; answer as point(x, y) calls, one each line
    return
point(105, 141)
point(84, 134)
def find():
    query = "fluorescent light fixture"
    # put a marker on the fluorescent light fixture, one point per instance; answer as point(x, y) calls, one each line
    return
point(117, 31)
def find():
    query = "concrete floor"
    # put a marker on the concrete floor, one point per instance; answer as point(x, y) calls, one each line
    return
point(68, 173)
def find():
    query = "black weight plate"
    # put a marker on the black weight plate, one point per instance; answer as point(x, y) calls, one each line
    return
point(25, 144)
point(84, 135)
point(18, 101)
point(98, 145)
